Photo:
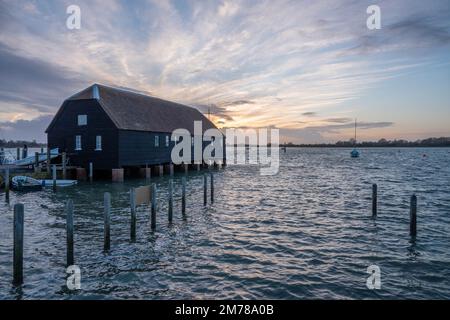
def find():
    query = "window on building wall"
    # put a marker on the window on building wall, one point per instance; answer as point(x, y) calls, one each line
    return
point(98, 143)
point(167, 141)
point(77, 142)
point(82, 119)
point(156, 141)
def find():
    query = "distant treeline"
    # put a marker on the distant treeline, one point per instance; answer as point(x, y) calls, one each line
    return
point(430, 142)
point(20, 143)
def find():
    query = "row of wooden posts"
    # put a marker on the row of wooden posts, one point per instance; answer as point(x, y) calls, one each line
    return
point(70, 258)
point(412, 210)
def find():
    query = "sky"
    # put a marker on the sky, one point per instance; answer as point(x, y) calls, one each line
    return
point(308, 68)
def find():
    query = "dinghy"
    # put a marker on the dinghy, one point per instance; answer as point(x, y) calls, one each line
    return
point(23, 183)
point(59, 183)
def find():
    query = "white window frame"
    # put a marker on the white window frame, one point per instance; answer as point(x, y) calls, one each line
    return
point(192, 141)
point(98, 143)
point(156, 141)
point(82, 120)
point(78, 143)
point(167, 141)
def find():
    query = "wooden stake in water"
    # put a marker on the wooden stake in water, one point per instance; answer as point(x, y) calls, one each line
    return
point(212, 188)
point(107, 221)
point(133, 215)
point(54, 177)
point(170, 200)
point(7, 185)
point(48, 160)
point(69, 233)
point(36, 160)
point(18, 244)
point(64, 170)
point(413, 217)
point(205, 190)
point(374, 200)
point(91, 172)
point(183, 195)
point(153, 213)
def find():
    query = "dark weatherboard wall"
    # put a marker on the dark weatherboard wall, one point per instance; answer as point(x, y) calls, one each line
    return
point(63, 132)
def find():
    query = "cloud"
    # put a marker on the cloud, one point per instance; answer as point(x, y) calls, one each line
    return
point(254, 63)
point(336, 128)
point(309, 114)
point(33, 84)
point(25, 129)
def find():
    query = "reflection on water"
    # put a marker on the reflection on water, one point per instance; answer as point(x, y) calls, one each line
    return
point(305, 233)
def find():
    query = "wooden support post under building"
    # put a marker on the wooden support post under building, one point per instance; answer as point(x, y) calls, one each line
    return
point(69, 233)
point(64, 170)
point(117, 175)
point(146, 173)
point(107, 221)
point(413, 217)
point(81, 174)
point(153, 207)
point(48, 160)
point(161, 170)
point(183, 195)
point(212, 188)
point(91, 172)
point(171, 169)
point(7, 184)
point(198, 167)
point(133, 215)
point(186, 168)
point(18, 244)
point(374, 200)
point(170, 191)
point(205, 190)
point(54, 177)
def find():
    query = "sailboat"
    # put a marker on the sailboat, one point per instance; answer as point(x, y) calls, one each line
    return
point(355, 152)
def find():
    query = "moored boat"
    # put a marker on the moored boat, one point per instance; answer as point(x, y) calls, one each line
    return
point(24, 183)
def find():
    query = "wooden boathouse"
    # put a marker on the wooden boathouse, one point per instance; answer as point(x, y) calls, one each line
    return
point(113, 129)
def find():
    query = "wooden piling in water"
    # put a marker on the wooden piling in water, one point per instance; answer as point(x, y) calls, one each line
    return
point(18, 244)
point(212, 187)
point(107, 221)
point(205, 190)
point(374, 200)
point(48, 160)
point(183, 196)
point(170, 200)
point(36, 160)
point(413, 216)
point(18, 153)
point(7, 184)
point(133, 214)
point(69, 232)
point(64, 169)
point(153, 207)
point(54, 177)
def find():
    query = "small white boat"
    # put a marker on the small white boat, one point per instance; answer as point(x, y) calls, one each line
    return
point(24, 183)
point(59, 183)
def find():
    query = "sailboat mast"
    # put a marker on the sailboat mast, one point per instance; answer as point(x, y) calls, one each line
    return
point(355, 131)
